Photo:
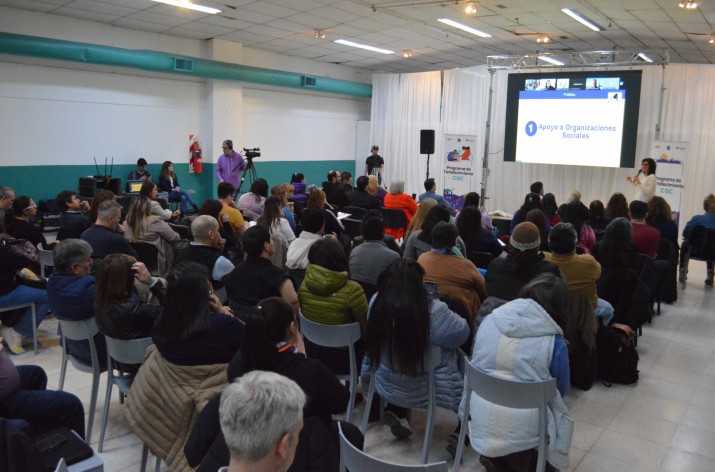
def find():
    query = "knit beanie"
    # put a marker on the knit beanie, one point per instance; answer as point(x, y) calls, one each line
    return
point(525, 237)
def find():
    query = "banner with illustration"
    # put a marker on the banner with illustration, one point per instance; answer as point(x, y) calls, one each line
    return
point(459, 168)
point(670, 159)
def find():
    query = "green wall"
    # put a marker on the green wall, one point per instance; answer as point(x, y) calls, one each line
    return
point(45, 182)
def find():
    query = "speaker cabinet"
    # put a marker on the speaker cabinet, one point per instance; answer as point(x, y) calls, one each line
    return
point(427, 141)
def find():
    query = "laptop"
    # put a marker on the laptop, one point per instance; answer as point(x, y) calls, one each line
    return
point(134, 186)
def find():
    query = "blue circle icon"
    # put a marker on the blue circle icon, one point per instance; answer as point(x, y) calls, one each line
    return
point(530, 128)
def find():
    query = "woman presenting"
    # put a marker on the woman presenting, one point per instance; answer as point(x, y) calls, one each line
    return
point(646, 187)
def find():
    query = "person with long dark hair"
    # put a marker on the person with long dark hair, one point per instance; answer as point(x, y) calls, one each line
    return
point(617, 249)
point(506, 275)
point(597, 216)
point(647, 186)
point(576, 213)
point(660, 217)
point(531, 201)
point(169, 182)
point(475, 237)
point(551, 209)
point(251, 203)
point(536, 216)
point(617, 207)
point(274, 219)
point(194, 328)
point(523, 341)
point(150, 192)
point(402, 305)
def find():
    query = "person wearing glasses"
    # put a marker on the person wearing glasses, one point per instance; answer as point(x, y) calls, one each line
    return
point(20, 227)
point(229, 165)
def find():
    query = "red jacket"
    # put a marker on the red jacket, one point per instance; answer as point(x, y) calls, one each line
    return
point(402, 202)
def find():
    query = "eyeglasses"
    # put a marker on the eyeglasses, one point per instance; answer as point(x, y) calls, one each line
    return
point(30, 207)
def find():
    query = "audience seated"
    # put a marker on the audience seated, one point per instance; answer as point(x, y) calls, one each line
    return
point(7, 197)
point(706, 220)
point(316, 199)
point(140, 173)
point(70, 292)
point(523, 341)
point(297, 180)
point(275, 221)
point(313, 222)
point(577, 214)
point(257, 278)
point(270, 345)
point(617, 207)
point(17, 324)
point(597, 212)
point(531, 201)
point(369, 259)
point(580, 270)
point(359, 196)
point(474, 236)
point(454, 275)
point(21, 227)
point(646, 238)
point(420, 241)
point(73, 215)
point(346, 181)
point(169, 183)
point(102, 236)
point(251, 203)
point(375, 189)
point(660, 217)
point(430, 192)
point(397, 199)
point(507, 275)
point(335, 191)
point(617, 249)
point(473, 199)
point(232, 248)
point(537, 188)
point(143, 227)
point(401, 306)
point(551, 208)
point(328, 296)
point(205, 249)
point(539, 218)
point(149, 191)
point(24, 396)
point(194, 328)
point(228, 207)
point(284, 193)
point(266, 442)
point(119, 310)
point(416, 224)
point(99, 197)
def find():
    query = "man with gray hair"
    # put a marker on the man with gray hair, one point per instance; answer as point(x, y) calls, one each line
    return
point(7, 197)
point(261, 418)
point(206, 249)
point(103, 236)
point(70, 292)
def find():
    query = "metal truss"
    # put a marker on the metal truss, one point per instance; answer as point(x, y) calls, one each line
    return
point(580, 59)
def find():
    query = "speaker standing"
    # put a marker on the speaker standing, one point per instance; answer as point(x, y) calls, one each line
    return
point(375, 164)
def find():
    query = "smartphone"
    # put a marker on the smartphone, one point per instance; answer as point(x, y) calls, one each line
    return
point(51, 443)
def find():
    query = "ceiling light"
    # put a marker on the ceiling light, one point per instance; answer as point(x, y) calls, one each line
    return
point(551, 60)
point(466, 28)
point(644, 57)
point(363, 46)
point(190, 6)
point(470, 9)
point(688, 5)
point(584, 21)
point(319, 34)
point(543, 39)
point(406, 53)
point(712, 40)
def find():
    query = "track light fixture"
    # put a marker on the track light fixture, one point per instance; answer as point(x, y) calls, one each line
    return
point(471, 8)
point(406, 53)
point(712, 40)
point(688, 5)
point(543, 39)
point(319, 34)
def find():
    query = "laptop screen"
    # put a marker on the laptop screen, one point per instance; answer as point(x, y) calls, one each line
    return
point(134, 186)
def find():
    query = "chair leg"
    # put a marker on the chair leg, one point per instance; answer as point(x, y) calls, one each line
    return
point(92, 405)
point(63, 370)
point(157, 466)
point(428, 433)
point(462, 435)
point(105, 412)
point(370, 394)
point(34, 326)
point(145, 457)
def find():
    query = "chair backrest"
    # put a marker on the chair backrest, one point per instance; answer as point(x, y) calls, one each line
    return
point(79, 330)
point(702, 243)
point(394, 219)
point(353, 226)
point(148, 254)
point(183, 231)
point(330, 335)
point(480, 259)
point(356, 212)
point(129, 351)
point(510, 393)
point(61, 466)
point(46, 259)
point(357, 461)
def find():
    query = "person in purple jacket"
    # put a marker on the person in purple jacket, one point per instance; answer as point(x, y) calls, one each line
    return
point(230, 164)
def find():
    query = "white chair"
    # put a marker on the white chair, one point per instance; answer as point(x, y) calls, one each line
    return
point(510, 394)
point(46, 260)
point(33, 308)
point(126, 352)
point(61, 465)
point(336, 336)
point(80, 331)
point(355, 460)
point(435, 357)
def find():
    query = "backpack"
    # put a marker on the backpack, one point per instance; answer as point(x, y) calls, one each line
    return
point(617, 355)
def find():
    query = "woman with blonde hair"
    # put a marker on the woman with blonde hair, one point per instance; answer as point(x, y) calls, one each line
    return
point(422, 209)
point(374, 189)
point(141, 226)
point(284, 193)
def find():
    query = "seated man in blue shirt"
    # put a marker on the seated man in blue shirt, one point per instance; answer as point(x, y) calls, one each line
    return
point(706, 220)
point(430, 187)
point(103, 236)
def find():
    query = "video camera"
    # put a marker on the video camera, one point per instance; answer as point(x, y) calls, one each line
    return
point(252, 153)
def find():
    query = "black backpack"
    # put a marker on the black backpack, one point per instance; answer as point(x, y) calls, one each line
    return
point(617, 355)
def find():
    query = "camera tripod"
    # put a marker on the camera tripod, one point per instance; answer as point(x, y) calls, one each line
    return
point(250, 174)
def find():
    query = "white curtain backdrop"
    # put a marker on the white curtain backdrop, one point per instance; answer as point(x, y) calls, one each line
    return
point(688, 115)
point(404, 104)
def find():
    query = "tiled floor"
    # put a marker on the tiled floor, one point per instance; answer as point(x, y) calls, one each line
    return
point(666, 422)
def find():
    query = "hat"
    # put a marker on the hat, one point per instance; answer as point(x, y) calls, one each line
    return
point(525, 237)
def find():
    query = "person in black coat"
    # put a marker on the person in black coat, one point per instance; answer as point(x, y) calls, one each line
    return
point(360, 198)
point(24, 209)
point(270, 345)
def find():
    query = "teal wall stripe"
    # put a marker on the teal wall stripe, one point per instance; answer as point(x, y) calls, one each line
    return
point(45, 182)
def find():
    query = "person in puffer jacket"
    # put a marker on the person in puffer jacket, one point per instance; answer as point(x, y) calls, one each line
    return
point(403, 323)
point(328, 296)
point(523, 341)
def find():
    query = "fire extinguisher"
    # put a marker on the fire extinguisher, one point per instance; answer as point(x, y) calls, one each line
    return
point(195, 154)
